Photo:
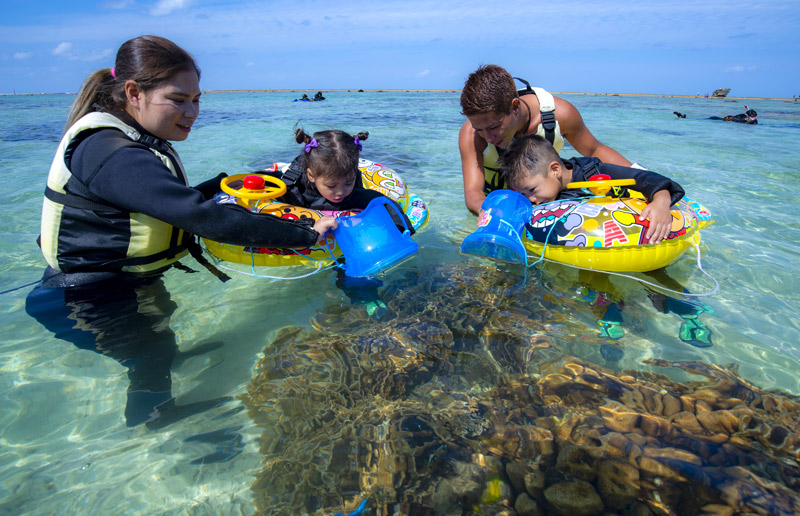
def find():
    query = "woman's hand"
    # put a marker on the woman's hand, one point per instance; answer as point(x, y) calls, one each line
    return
point(325, 224)
point(659, 215)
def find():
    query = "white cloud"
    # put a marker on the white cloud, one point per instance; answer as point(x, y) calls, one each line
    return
point(62, 49)
point(65, 49)
point(740, 68)
point(163, 7)
point(94, 56)
point(23, 55)
point(117, 4)
point(423, 73)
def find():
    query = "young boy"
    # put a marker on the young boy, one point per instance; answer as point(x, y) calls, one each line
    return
point(532, 167)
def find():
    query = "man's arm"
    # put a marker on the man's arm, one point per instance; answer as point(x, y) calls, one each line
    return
point(575, 131)
point(471, 147)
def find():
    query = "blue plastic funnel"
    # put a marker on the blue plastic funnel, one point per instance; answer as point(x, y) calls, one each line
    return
point(498, 236)
point(370, 241)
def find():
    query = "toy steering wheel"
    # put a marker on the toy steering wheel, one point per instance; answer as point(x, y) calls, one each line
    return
point(601, 186)
point(254, 186)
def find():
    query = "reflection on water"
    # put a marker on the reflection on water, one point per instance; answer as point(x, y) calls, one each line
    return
point(460, 401)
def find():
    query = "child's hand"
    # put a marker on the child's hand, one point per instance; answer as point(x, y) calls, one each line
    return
point(660, 217)
point(325, 224)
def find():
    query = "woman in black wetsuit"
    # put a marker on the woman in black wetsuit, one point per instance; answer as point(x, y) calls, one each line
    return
point(118, 211)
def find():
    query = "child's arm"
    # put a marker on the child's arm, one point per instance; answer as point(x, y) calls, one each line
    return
point(647, 182)
point(660, 191)
point(660, 217)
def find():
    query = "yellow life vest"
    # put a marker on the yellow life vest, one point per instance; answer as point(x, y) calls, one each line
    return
point(151, 244)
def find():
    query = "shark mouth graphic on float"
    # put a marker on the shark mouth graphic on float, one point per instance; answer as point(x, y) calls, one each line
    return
point(546, 215)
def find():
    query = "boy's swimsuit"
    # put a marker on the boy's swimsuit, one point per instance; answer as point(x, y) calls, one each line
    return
point(117, 201)
point(548, 128)
point(647, 182)
point(302, 192)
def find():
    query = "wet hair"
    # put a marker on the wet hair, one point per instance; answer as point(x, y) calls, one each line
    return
point(148, 60)
point(335, 156)
point(489, 89)
point(527, 156)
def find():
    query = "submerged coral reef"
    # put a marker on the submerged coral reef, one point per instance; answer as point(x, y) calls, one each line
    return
point(461, 402)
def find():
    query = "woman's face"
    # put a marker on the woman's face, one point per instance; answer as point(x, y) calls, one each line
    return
point(168, 110)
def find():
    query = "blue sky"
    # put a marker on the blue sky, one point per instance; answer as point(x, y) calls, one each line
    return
point(621, 46)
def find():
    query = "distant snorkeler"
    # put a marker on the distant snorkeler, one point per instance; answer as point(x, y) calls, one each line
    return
point(748, 117)
point(679, 115)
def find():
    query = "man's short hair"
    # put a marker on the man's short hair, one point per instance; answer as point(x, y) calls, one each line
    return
point(489, 89)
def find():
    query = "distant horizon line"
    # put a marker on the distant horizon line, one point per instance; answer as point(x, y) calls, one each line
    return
point(445, 90)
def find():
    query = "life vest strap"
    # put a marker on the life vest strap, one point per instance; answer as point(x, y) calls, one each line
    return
point(549, 125)
point(76, 201)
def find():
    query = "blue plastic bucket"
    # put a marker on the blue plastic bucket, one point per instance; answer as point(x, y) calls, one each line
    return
point(370, 241)
point(499, 233)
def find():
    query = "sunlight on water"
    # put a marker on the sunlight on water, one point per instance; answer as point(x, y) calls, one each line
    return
point(329, 407)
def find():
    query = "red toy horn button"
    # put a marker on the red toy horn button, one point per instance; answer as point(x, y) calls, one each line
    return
point(253, 183)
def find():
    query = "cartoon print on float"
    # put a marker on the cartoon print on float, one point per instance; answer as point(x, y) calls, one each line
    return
point(377, 177)
point(613, 224)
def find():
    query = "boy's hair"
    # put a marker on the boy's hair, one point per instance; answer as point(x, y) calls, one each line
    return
point(489, 89)
point(335, 154)
point(527, 156)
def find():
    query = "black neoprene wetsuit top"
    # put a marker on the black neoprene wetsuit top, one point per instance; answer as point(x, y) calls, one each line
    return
point(647, 182)
point(134, 179)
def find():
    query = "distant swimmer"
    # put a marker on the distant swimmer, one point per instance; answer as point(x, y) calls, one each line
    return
point(748, 117)
point(679, 115)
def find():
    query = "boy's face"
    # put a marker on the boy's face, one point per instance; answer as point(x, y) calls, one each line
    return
point(540, 188)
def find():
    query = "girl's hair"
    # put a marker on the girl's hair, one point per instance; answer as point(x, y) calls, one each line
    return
point(527, 156)
point(489, 89)
point(147, 60)
point(331, 153)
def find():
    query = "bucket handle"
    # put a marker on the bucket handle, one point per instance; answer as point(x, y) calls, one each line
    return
point(385, 201)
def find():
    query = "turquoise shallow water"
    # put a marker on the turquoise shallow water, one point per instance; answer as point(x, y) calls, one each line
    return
point(65, 444)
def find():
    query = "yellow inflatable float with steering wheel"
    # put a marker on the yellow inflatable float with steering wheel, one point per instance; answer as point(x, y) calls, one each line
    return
point(257, 192)
point(604, 233)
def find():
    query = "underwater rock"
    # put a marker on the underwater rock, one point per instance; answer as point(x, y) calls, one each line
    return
point(617, 483)
point(527, 506)
point(575, 461)
point(535, 484)
point(516, 472)
point(462, 401)
point(577, 498)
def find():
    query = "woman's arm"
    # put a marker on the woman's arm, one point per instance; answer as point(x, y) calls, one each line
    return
point(136, 180)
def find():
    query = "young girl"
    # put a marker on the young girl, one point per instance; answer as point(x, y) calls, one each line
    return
point(325, 177)
point(118, 211)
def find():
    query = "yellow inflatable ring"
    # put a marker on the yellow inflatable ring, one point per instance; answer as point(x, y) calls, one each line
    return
point(606, 234)
point(373, 175)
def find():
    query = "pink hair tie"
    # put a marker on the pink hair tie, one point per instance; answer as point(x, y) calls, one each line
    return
point(114, 72)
